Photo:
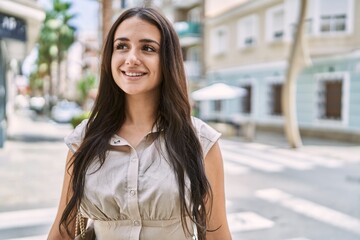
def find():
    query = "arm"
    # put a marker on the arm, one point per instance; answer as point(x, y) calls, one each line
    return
point(54, 233)
point(215, 173)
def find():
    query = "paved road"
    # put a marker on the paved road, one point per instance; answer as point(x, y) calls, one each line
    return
point(273, 193)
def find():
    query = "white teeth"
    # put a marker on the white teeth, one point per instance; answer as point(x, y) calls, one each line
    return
point(133, 74)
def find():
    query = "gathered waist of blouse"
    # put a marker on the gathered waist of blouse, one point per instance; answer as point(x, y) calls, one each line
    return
point(142, 222)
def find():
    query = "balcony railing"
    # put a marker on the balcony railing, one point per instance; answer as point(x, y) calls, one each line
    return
point(188, 29)
point(185, 3)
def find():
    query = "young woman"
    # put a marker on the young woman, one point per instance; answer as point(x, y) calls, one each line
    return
point(141, 167)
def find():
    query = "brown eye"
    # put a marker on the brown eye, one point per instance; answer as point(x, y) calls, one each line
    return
point(121, 46)
point(149, 48)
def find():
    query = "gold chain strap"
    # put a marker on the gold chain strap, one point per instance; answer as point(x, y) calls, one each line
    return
point(76, 224)
point(79, 223)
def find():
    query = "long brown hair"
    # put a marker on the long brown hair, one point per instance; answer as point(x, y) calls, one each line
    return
point(174, 118)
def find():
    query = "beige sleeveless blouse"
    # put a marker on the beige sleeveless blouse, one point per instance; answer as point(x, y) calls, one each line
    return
point(134, 195)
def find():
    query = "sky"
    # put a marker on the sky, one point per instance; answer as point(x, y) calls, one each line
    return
point(87, 11)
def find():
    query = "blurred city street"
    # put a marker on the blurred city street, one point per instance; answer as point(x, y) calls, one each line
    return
point(253, 68)
point(273, 193)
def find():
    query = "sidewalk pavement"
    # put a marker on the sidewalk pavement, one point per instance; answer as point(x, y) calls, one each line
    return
point(27, 126)
point(32, 162)
point(341, 150)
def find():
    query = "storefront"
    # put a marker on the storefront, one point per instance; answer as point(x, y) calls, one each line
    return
point(20, 23)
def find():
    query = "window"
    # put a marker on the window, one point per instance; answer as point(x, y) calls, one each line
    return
point(217, 105)
point(322, 17)
point(292, 11)
point(247, 31)
point(276, 99)
point(335, 23)
point(193, 54)
point(245, 102)
point(309, 25)
point(192, 61)
point(219, 40)
point(308, 28)
point(123, 4)
point(332, 97)
point(275, 106)
point(329, 99)
point(194, 15)
point(278, 28)
point(334, 15)
point(275, 23)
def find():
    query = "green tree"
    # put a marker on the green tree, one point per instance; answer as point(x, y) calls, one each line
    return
point(46, 52)
point(36, 83)
point(56, 36)
point(65, 33)
point(84, 86)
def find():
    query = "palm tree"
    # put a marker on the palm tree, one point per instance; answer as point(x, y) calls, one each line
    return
point(65, 34)
point(56, 37)
point(46, 52)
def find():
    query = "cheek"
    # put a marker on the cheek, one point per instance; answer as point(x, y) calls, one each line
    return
point(115, 63)
point(157, 66)
point(160, 74)
point(112, 65)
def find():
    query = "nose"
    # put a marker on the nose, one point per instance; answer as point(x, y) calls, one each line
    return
point(132, 58)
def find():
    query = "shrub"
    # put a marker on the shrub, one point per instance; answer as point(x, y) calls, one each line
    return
point(76, 120)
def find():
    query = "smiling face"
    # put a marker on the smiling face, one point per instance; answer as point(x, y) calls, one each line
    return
point(135, 62)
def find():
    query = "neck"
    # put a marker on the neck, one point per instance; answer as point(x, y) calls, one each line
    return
point(141, 111)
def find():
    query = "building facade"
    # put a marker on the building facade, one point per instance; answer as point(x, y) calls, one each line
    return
point(20, 22)
point(187, 16)
point(248, 46)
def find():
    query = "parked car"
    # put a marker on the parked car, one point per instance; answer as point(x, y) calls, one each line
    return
point(64, 111)
point(37, 104)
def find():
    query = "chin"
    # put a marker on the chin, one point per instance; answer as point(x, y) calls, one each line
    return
point(133, 91)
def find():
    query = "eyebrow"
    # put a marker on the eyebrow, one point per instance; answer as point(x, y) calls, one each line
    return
point(146, 40)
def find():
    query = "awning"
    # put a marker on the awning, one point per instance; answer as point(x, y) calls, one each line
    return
point(218, 91)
